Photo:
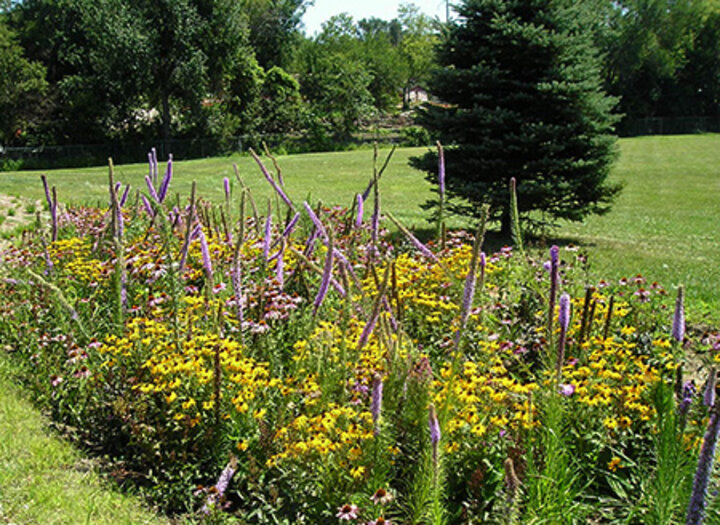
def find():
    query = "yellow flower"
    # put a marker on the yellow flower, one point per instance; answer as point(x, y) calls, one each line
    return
point(357, 472)
point(242, 445)
point(614, 464)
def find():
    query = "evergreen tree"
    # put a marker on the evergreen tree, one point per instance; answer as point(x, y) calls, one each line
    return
point(519, 86)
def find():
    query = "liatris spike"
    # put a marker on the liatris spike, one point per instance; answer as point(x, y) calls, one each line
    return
point(554, 271)
point(435, 433)
point(47, 191)
point(470, 281)
point(441, 170)
point(154, 163)
point(271, 181)
point(564, 321)
point(280, 265)
point(148, 206)
point(414, 240)
point(515, 217)
point(207, 263)
point(151, 189)
point(162, 193)
point(268, 234)
point(360, 211)
point(53, 214)
point(291, 225)
point(221, 486)
point(316, 221)
point(325, 282)
point(379, 302)
point(688, 392)
point(709, 393)
point(226, 186)
point(678, 327)
point(696, 508)
point(376, 402)
point(124, 198)
point(375, 219)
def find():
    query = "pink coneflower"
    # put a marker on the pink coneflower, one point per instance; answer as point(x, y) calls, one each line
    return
point(566, 390)
point(55, 380)
point(347, 512)
point(381, 497)
point(380, 521)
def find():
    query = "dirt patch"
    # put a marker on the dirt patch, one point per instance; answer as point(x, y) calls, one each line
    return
point(15, 212)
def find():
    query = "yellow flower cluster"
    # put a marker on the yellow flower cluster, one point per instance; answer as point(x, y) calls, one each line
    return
point(73, 255)
point(185, 374)
point(339, 430)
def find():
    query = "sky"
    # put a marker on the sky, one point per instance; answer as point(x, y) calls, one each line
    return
point(359, 9)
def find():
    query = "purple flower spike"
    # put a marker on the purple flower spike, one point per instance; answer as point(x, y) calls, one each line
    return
point(564, 313)
point(678, 327)
point(268, 234)
point(564, 321)
point(154, 161)
point(226, 185)
point(360, 211)
point(441, 170)
point(280, 267)
point(291, 225)
point(696, 508)
point(316, 221)
point(207, 263)
point(435, 434)
point(272, 182)
point(221, 486)
point(709, 394)
point(367, 331)
point(376, 403)
point(325, 282)
point(162, 193)
point(434, 424)
point(124, 198)
point(151, 189)
point(554, 255)
point(148, 206)
point(688, 392)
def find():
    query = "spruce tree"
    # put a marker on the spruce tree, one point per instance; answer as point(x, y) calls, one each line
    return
point(520, 95)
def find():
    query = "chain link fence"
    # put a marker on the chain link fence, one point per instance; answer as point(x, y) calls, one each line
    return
point(82, 155)
point(668, 126)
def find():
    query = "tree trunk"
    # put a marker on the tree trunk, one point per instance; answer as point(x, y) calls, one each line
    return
point(505, 224)
point(166, 122)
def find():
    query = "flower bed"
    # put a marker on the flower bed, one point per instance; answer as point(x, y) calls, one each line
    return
point(308, 366)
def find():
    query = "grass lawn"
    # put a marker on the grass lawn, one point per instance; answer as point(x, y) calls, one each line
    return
point(44, 481)
point(663, 225)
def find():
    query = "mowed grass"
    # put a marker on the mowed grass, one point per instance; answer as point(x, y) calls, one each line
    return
point(44, 481)
point(665, 223)
point(663, 226)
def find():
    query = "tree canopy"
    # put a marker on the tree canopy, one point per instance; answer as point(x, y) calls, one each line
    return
point(521, 97)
